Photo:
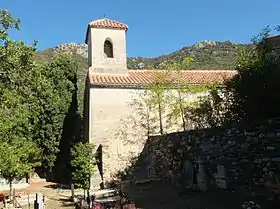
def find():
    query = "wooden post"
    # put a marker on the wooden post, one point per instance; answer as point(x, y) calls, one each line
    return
point(88, 199)
point(28, 199)
point(14, 197)
point(44, 202)
point(36, 202)
point(73, 192)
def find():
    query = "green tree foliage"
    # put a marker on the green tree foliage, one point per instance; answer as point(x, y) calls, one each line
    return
point(208, 111)
point(177, 98)
point(83, 165)
point(46, 92)
point(167, 96)
point(18, 153)
point(18, 157)
point(35, 98)
point(54, 104)
point(254, 91)
point(6, 22)
point(156, 97)
point(14, 116)
point(252, 95)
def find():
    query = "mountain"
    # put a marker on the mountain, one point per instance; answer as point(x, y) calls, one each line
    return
point(78, 50)
point(208, 55)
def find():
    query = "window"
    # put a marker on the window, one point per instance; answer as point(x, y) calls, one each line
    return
point(108, 49)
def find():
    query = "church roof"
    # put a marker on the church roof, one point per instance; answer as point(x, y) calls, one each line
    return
point(144, 77)
point(107, 23)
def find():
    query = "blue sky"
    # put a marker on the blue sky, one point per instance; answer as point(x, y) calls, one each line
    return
point(156, 27)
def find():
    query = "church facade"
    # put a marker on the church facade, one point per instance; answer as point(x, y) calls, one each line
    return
point(112, 122)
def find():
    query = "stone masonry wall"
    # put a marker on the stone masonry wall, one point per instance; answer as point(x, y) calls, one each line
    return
point(118, 125)
point(250, 154)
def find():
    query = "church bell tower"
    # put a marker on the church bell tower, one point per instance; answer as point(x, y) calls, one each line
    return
point(106, 40)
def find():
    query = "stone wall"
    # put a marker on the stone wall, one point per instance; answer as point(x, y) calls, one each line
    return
point(250, 153)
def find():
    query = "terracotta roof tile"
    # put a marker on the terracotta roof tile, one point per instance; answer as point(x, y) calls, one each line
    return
point(142, 77)
point(107, 23)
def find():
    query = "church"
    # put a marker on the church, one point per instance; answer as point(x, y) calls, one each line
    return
point(111, 121)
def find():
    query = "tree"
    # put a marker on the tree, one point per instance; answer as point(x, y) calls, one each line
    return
point(178, 97)
point(250, 99)
point(257, 82)
point(251, 95)
point(142, 115)
point(14, 116)
point(22, 76)
point(56, 94)
point(207, 111)
point(83, 165)
point(35, 97)
point(156, 96)
point(18, 157)
point(7, 21)
point(62, 71)
point(167, 95)
point(18, 153)
point(178, 100)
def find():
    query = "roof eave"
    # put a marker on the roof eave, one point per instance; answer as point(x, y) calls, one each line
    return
point(115, 28)
point(134, 85)
point(111, 85)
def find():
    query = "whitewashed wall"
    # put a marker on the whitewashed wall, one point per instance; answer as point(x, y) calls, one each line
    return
point(17, 184)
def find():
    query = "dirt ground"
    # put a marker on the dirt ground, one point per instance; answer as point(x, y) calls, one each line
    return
point(146, 196)
point(159, 196)
point(56, 198)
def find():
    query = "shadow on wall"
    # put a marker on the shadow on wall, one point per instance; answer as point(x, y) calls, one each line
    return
point(155, 178)
point(241, 149)
point(222, 145)
point(161, 158)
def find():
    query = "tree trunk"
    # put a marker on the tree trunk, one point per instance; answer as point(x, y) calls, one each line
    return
point(11, 187)
point(148, 120)
point(182, 111)
point(160, 115)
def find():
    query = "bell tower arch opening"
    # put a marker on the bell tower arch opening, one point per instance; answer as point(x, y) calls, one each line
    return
point(108, 49)
point(106, 41)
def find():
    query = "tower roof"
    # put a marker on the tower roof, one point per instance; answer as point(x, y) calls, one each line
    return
point(107, 24)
